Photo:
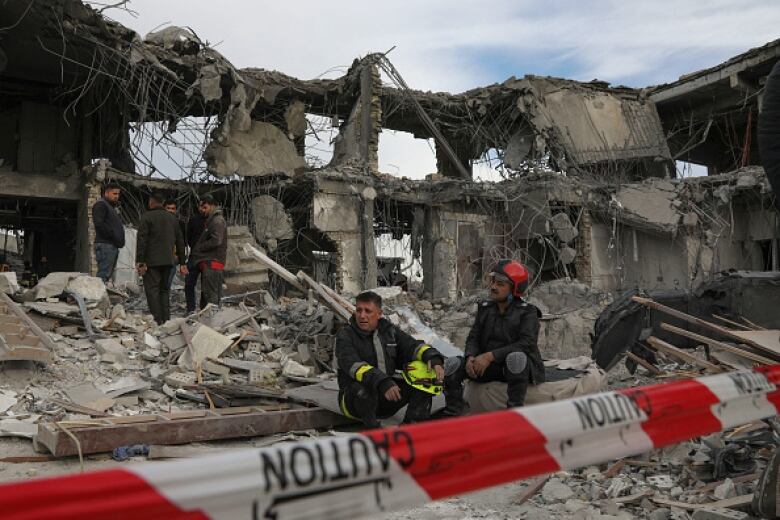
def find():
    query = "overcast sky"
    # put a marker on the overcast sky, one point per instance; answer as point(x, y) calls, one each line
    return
point(453, 45)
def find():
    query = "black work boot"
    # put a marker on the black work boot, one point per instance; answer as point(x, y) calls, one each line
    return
point(419, 407)
point(765, 498)
point(361, 404)
point(454, 375)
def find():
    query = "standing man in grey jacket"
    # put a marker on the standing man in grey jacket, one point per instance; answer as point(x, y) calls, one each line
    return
point(109, 231)
point(210, 252)
point(159, 238)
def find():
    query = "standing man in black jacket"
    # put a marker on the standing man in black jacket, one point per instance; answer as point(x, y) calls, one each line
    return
point(368, 352)
point(502, 343)
point(210, 252)
point(159, 235)
point(109, 231)
point(195, 227)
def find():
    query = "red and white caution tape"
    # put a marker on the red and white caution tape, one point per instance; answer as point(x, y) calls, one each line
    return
point(359, 474)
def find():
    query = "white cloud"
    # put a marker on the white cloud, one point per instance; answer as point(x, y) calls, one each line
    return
point(453, 45)
point(448, 44)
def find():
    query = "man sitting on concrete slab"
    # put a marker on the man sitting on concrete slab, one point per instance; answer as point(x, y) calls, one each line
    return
point(369, 350)
point(502, 343)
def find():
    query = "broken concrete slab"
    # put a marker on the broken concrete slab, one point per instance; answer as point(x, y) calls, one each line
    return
point(91, 288)
point(7, 400)
point(262, 150)
point(295, 369)
point(563, 228)
point(125, 385)
point(17, 428)
point(271, 219)
point(649, 203)
point(9, 283)
point(89, 396)
point(207, 343)
point(111, 350)
point(49, 286)
point(180, 379)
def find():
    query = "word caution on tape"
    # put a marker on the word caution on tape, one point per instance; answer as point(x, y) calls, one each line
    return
point(381, 470)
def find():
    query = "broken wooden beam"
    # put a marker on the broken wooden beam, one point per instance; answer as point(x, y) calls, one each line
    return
point(182, 428)
point(713, 343)
point(644, 363)
point(738, 501)
point(681, 355)
point(324, 296)
point(706, 325)
point(21, 339)
point(280, 271)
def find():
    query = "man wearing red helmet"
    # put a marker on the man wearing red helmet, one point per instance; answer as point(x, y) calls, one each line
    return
point(502, 343)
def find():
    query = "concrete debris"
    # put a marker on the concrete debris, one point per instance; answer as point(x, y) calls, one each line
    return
point(17, 428)
point(206, 344)
point(590, 202)
point(7, 400)
point(556, 491)
point(88, 396)
point(293, 368)
point(9, 283)
point(261, 150)
point(272, 222)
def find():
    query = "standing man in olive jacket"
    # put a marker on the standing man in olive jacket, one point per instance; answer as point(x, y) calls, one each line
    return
point(109, 231)
point(369, 350)
point(210, 252)
point(502, 343)
point(159, 234)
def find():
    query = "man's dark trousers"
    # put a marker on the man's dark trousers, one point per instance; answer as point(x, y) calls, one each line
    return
point(190, 283)
point(514, 371)
point(368, 406)
point(211, 286)
point(157, 292)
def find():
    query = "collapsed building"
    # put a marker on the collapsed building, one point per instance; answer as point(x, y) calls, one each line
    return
point(592, 199)
point(590, 189)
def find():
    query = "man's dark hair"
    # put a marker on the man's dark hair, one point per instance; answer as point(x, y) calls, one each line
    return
point(369, 297)
point(157, 197)
point(208, 199)
point(111, 186)
point(171, 202)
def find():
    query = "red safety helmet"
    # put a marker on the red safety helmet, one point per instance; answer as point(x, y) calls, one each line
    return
point(513, 272)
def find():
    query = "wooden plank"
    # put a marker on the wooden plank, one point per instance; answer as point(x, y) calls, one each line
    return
point(685, 357)
point(630, 499)
point(614, 469)
point(534, 485)
point(736, 480)
point(283, 273)
point(339, 298)
point(704, 324)
point(740, 326)
point(104, 438)
point(644, 363)
point(22, 339)
point(324, 296)
point(717, 344)
point(739, 501)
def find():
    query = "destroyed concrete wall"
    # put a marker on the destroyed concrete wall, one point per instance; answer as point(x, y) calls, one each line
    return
point(357, 143)
point(272, 224)
point(345, 213)
point(439, 258)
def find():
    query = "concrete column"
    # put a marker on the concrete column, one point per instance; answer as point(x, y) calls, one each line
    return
point(439, 259)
